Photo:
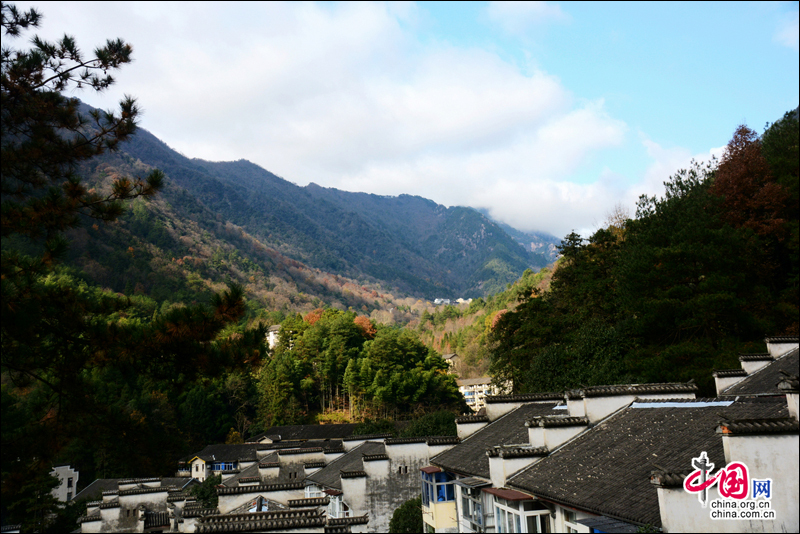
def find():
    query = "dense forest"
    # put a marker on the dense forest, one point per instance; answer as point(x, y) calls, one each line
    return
point(697, 276)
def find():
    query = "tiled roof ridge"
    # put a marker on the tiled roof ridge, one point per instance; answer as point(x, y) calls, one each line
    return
point(300, 451)
point(337, 463)
point(631, 389)
point(557, 420)
point(267, 515)
point(374, 457)
point(263, 521)
point(522, 397)
point(334, 450)
point(288, 444)
point(667, 479)
point(249, 479)
point(356, 520)
point(430, 440)
point(356, 473)
point(138, 480)
point(110, 504)
point(680, 399)
point(199, 512)
point(443, 440)
point(516, 451)
point(261, 487)
point(472, 419)
point(312, 465)
point(781, 425)
point(177, 497)
point(265, 465)
point(725, 373)
point(110, 492)
point(400, 441)
point(90, 518)
point(784, 339)
point(309, 502)
point(138, 491)
point(755, 357)
point(367, 436)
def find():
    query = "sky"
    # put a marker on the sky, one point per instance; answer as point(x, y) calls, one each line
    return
point(546, 114)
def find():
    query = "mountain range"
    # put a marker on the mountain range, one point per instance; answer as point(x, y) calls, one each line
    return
point(406, 242)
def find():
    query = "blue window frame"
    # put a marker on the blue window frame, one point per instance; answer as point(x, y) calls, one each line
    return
point(437, 487)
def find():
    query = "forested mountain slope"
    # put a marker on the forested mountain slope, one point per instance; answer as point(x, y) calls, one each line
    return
point(411, 243)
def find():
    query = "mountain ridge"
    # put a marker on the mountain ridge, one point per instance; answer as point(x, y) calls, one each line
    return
point(408, 242)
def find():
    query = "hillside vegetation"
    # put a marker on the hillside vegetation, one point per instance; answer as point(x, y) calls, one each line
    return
point(699, 275)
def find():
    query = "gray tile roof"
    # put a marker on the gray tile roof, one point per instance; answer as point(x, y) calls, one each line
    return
point(606, 524)
point(308, 432)
point(228, 453)
point(96, 488)
point(156, 519)
point(765, 380)
point(329, 476)
point(469, 457)
point(247, 473)
point(606, 470)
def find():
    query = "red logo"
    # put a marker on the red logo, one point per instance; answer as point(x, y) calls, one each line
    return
point(732, 481)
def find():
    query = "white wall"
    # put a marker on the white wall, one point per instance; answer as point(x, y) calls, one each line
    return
point(63, 492)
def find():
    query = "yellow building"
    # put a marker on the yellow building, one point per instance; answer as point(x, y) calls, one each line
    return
point(438, 500)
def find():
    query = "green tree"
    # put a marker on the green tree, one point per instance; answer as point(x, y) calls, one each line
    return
point(87, 374)
point(408, 517)
point(206, 491)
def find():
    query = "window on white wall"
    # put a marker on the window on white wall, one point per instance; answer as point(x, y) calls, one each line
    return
point(472, 508)
point(570, 521)
point(313, 491)
point(521, 516)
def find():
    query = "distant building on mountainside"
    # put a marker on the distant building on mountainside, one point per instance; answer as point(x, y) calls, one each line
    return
point(68, 478)
point(452, 359)
point(272, 336)
point(475, 391)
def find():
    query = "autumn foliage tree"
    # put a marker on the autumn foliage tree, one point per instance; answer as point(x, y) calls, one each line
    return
point(752, 197)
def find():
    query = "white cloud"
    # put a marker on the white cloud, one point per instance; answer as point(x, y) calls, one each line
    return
point(518, 18)
point(788, 33)
point(344, 96)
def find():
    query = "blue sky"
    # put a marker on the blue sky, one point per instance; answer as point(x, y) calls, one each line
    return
point(548, 114)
